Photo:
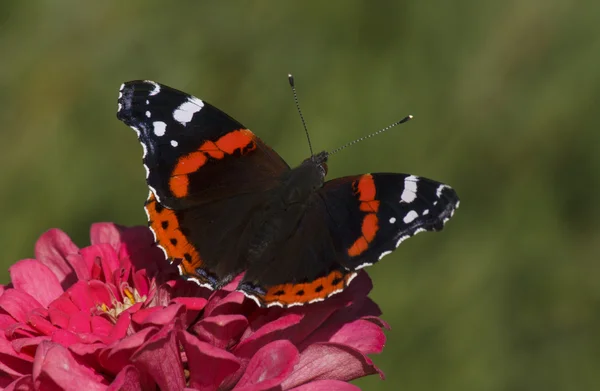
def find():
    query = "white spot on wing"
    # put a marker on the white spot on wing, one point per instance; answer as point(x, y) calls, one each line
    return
point(410, 216)
point(185, 112)
point(410, 189)
point(439, 190)
point(425, 212)
point(362, 266)
point(392, 220)
point(119, 107)
point(174, 143)
point(383, 254)
point(148, 114)
point(160, 128)
point(402, 239)
point(156, 88)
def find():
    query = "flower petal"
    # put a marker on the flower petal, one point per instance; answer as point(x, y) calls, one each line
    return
point(117, 355)
point(128, 379)
point(102, 255)
point(18, 304)
point(326, 385)
point(13, 363)
point(35, 278)
point(107, 233)
point(221, 330)
point(269, 367)
point(267, 333)
point(330, 361)
point(160, 358)
point(362, 335)
point(52, 249)
point(24, 383)
point(55, 368)
point(208, 365)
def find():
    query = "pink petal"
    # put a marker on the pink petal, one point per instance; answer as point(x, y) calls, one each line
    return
point(28, 345)
point(79, 266)
point(64, 304)
point(160, 358)
point(105, 256)
point(20, 330)
point(361, 335)
point(36, 279)
point(65, 338)
point(80, 323)
point(158, 316)
point(58, 318)
point(81, 296)
point(40, 324)
point(18, 304)
point(120, 328)
point(141, 282)
point(223, 302)
point(107, 233)
point(101, 326)
point(13, 363)
point(208, 365)
point(24, 383)
point(269, 367)
point(221, 330)
point(55, 368)
point(267, 333)
point(329, 361)
point(52, 249)
point(100, 293)
point(118, 354)
point(327, 385)
point(128, 379)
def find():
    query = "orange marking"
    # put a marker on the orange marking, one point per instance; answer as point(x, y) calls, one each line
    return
point(241, 139)
point(238, 139)
point(212, 150)
point(166, 228)
point(358, 247)
point(179, 185)
point(189, 163)
point(369, 206)
point(317, 289)
point(370, 226)
point(366, 188)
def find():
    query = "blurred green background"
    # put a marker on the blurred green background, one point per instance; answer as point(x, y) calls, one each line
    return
point(505, 97)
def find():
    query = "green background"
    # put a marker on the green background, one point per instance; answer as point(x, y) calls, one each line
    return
point(505, 97)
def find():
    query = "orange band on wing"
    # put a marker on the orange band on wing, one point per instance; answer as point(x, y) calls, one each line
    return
point(241, 139)
point(366, 192)
point(165, 225)
point(317, 290)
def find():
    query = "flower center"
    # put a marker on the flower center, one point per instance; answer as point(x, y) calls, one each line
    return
point(130, 297)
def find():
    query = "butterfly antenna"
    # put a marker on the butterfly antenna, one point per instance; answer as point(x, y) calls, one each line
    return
point(291, 80)
point(403, 120)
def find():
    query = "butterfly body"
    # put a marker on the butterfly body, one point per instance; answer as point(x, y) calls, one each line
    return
point(222, 202)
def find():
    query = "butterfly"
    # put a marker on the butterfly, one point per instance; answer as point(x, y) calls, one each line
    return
point(222, 202)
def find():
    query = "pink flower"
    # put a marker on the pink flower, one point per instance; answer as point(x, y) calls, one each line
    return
point(116, 316)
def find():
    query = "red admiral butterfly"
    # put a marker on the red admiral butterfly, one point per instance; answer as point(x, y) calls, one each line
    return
point(223, 202)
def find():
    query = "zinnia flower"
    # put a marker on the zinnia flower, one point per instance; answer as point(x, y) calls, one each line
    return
point(116, 316)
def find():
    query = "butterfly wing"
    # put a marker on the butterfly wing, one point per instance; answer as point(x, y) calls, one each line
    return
point(372, 214)
point(351, 223)
point(206, 173)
